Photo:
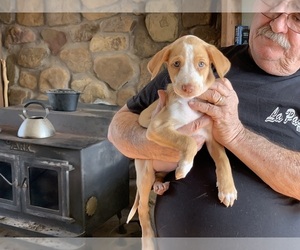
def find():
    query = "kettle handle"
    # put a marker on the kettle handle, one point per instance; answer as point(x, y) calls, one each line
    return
point(35, 102)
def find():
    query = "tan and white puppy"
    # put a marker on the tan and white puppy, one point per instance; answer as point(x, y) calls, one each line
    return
point(189, 62)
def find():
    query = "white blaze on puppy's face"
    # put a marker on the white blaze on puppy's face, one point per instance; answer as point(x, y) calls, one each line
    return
point(192, 67)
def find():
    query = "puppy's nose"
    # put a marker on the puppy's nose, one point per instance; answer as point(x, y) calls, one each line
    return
point(188, 88)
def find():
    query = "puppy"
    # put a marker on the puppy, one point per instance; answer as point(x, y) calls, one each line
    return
point(189, 62)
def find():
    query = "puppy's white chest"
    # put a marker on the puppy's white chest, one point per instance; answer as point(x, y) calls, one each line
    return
point(181, 112)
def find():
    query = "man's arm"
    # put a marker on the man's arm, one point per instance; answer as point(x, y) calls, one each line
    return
point(130, 138)
point(276, 165)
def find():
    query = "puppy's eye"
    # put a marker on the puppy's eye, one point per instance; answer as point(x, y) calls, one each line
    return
point(201, 64)
point(176, 64)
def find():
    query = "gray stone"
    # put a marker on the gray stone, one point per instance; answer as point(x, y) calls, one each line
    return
point(145, 75)
point(109, 43)
point(208, 34)
point(165, 6)
point(84, 32)
point(99, 4)
point(144, 46)
point(59, 19)
point(11, 69)
point(54, 78)
point(162, 27)
point(30, 19)
point(124, 94)
point(28, 80)
point(7, 6)
point(6, 18)
point(92, 90)
point(30, 6)
point(18, 95)
point(115, 70)
point(97, 15)
point(120, 23)
point(190, 20)
point(56, 39)
point(32, 57)
point(77, 59)
point(70, 6)
point(18, 35)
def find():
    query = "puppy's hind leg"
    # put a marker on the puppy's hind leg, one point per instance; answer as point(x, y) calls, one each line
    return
point(160, 186)
point(144, 181)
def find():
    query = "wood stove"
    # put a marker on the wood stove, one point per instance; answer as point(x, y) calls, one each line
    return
point(66, 185)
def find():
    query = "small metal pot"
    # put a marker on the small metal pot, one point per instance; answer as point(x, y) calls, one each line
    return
point(35, 126)
point(63, 99)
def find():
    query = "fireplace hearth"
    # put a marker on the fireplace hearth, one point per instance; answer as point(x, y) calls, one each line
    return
point(66, 185)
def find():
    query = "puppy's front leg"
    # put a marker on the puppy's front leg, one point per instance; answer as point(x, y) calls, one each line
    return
point(161, 130)
point(227, 191)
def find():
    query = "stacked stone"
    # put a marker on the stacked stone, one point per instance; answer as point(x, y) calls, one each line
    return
point(103, 55)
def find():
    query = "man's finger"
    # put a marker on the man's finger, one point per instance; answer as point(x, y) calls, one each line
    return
point(194, 126)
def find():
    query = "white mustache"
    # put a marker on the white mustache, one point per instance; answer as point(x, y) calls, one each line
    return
point(278, 38)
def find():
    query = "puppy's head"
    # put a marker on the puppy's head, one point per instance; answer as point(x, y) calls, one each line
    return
point(189, 61)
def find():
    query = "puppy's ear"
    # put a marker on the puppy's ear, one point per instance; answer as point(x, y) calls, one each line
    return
point(157, 61)
point(221, 63)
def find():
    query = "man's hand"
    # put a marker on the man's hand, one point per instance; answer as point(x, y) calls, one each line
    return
point(222, 106)
point(188, 129)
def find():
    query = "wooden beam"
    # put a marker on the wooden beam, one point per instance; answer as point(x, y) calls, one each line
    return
point(231, 16)
point(1, 81)
point(229, 21)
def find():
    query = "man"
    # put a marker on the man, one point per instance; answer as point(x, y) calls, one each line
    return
point(257, 118)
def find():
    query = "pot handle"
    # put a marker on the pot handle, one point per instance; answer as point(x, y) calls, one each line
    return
point(35, 102)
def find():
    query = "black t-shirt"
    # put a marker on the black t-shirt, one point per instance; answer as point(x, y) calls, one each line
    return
point(270, 106)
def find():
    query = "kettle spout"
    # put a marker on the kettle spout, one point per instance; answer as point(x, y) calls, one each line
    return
point(22, 116)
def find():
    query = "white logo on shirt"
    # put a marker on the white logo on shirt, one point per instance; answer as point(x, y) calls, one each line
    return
point(288, 116)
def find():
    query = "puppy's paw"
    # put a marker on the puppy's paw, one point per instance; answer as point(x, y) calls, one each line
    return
point(160, 187)
point(183, 169)
point(227, 196)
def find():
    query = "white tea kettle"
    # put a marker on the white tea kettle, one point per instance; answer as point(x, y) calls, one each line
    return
point(35, 126)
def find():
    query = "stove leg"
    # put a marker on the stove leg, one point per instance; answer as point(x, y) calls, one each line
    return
point(121, 228)
point(119, 214)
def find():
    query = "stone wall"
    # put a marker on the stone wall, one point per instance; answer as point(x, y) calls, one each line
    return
point(103, 55)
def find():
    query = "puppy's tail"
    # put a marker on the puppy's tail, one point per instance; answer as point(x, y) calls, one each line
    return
point(134, 207)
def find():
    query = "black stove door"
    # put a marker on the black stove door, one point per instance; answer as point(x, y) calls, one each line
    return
point(45, 187)
point(9, 182)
